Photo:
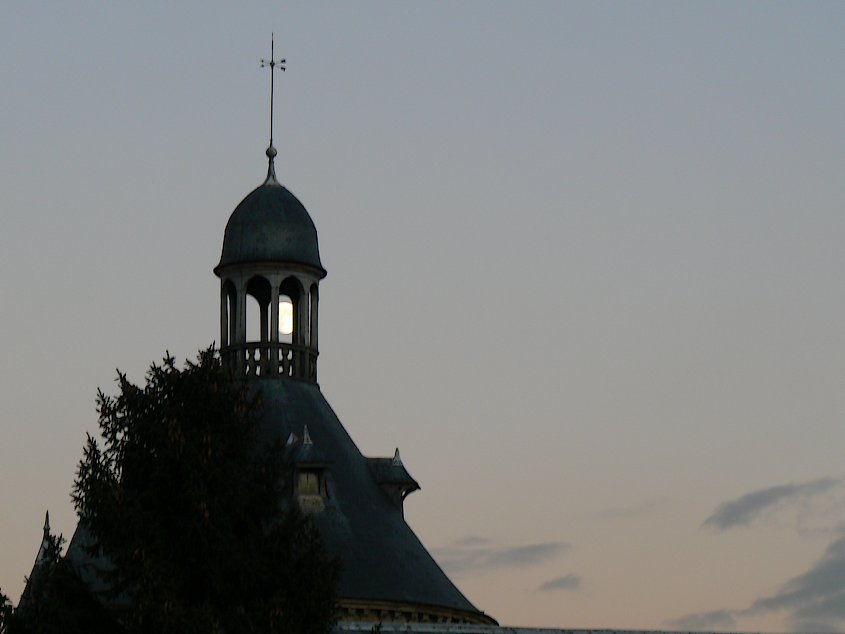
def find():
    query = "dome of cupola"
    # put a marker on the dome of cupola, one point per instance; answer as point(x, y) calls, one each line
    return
point(271, 225)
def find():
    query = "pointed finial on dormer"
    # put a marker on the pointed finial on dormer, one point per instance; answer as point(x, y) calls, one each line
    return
point(397, 459)
point(306, 437)
point(272, 63)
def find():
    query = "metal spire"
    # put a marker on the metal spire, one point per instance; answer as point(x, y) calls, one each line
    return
point(272, 63)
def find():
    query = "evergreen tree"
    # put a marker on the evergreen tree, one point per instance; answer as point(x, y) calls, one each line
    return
point(186, 504)
point(5, 612)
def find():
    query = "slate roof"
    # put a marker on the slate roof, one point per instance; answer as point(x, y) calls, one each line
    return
point(303, 453)
point(38, 567)
point(270, 225)
point(382, 557)
point(91, 568)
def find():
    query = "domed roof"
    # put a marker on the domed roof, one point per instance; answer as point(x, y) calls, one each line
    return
point(270, 225)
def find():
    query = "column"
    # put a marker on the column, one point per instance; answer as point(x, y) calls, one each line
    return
point(224, 315)
point(301, 330)
point(240, 327)
point(315, 300)
point(274, 326)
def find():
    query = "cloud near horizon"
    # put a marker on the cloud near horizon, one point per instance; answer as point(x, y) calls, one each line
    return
point(714, 620)
point(811, 602)
point(815, 598)
point(470, 554)
point(744, 509)
point(567, 582)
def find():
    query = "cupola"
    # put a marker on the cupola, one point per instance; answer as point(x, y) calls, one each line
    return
point(269, 274)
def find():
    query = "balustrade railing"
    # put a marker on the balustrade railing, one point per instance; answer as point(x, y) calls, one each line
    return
point(268, 359)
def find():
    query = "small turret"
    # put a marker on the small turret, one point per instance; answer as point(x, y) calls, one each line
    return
point(269, 275)
point(393, 478)
point(269, 272)
point(40, 567)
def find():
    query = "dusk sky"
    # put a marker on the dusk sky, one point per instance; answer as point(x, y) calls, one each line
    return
point(585, 269)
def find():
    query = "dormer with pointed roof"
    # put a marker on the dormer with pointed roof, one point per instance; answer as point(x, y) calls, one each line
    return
point(393, 478)
point(42, 561)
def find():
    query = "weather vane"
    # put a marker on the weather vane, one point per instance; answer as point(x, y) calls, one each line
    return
point(272, 63)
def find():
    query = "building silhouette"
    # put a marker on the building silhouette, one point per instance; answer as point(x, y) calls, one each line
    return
point(270, 272)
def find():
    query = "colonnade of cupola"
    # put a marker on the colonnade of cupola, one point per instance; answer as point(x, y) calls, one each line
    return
point(268, 323)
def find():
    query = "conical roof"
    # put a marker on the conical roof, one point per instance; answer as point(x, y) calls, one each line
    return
point(383, 559)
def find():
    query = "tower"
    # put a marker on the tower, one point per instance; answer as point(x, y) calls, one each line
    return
point(270, 271)
point(269, 259)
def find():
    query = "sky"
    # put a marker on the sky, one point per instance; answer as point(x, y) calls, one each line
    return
point(584, 269)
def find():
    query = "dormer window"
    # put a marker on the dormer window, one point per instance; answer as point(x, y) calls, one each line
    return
point(308, 483)
point(311, 482)
point(310, 471)
point(311, 490)
point(393, 478)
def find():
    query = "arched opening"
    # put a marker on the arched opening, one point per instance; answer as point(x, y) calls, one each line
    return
point(315, 300)
point(257, 309)
point(253, 319)
point(228, 313)
point(291, 323)
point(285, 319)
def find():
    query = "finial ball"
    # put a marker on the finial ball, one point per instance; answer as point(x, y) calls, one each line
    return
point(271, 152)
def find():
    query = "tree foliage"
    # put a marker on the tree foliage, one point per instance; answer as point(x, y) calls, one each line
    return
point(5, 612)
point(55, 600)
point(185, 503)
